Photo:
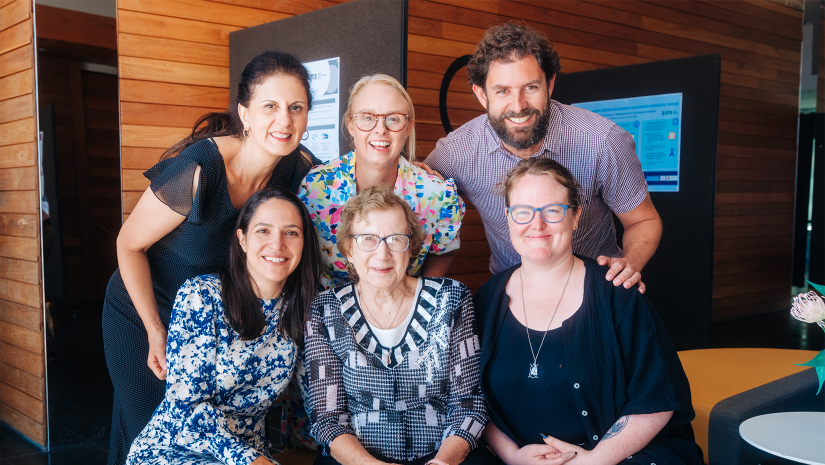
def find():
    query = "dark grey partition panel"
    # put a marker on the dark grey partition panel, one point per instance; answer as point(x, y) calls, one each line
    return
point(679, 278)
point(370, 36)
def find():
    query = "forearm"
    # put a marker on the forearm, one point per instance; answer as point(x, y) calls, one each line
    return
point(627, 436)
point(453, 450)
point(137, 277)
point(437, 265)
point(347, 450)
point(641, 240)
point(503, 446)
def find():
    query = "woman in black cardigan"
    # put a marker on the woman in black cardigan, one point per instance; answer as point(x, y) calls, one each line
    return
point(574, 369)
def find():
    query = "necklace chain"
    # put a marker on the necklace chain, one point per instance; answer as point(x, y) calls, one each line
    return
point(534, 366)
point(397, 312)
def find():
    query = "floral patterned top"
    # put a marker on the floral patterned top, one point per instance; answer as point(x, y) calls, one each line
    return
point(328, 187)
point(218, 387)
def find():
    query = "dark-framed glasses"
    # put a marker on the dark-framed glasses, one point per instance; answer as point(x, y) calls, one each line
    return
point(393, 121)
point(523, 214)
point(370, 242)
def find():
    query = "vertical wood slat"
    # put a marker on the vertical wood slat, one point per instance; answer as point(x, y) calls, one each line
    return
point(22, 351)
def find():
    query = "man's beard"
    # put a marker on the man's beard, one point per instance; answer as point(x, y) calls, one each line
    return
point(522, 138)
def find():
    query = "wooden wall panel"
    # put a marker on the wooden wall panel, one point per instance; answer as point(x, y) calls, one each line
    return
point(22, 350)
point(174, 57)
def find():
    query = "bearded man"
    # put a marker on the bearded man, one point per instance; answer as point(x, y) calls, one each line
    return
point(512, 74)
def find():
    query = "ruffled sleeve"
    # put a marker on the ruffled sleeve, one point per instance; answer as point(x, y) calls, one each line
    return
point(172, 178)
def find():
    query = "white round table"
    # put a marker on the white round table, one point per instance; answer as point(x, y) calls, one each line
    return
point(797, 436)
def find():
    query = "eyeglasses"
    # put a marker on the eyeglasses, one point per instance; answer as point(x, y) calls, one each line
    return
point(393, 121)
point(523, 214)
point(370, 242)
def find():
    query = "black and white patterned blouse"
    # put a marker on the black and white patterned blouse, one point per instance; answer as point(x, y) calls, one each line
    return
point(402, 401)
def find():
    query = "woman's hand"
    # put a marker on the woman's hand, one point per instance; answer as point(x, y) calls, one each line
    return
point(261, 461)
point(157, 352)
point(539, 454)
point(567, 448)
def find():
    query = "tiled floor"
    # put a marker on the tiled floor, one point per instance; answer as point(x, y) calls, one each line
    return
point(80, 391)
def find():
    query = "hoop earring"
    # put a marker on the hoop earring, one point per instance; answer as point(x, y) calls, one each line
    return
point(246, 132)
point(305, 136)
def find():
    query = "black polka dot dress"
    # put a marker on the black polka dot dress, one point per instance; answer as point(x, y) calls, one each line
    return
point(198, 246)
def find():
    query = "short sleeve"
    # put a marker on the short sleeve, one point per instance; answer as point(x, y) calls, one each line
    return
point(656, 381)
point(172, 178)
point(622, 182)
point(440, 159)
point(446, 231)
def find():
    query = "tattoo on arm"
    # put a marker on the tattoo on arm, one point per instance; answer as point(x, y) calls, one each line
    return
point(616, 428)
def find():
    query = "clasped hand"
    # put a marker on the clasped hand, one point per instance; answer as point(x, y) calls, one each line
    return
point(552, 452)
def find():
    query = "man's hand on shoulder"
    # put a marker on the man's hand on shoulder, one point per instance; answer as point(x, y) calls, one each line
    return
point(622, 272)
point(429, 170)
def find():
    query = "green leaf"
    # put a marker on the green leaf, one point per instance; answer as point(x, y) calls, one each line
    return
point(818, 287)
point(818, 363)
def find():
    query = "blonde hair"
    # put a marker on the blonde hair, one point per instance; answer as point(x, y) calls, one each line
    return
point(375, 198)
point(389, 81)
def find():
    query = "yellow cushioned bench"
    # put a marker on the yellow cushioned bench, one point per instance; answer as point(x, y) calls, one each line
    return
point(742, 381)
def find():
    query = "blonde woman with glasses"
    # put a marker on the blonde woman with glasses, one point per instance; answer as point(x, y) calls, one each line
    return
point(380, 118)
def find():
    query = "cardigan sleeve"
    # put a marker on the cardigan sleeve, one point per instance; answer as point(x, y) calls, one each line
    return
point(191, 351)
point(327, 396)
point(654, 377)
point(466, 413)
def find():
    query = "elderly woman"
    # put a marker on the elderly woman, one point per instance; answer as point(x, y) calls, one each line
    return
point(393, 359)
point(380, 118)
point(234, 339)
point(574, 369)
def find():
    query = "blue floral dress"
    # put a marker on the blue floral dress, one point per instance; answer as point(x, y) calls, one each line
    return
point(218, 387)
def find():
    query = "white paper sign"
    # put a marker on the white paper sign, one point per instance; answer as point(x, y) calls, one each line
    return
point(323, 126)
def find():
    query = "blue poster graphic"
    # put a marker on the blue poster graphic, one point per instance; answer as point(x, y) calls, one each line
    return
point(655, 123)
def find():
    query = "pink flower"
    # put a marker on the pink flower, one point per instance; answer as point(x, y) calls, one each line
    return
point(809, 307)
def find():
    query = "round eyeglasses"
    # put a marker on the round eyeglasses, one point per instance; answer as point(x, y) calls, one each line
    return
point(370, 242)
point(393, 121)
point(523, 214)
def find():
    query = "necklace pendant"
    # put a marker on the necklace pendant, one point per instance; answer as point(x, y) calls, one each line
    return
point(534, 371)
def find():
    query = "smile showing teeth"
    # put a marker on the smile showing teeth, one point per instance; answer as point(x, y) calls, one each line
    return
point(280, 135)
point(275, 259)
point(380, 143)
point(520, 120)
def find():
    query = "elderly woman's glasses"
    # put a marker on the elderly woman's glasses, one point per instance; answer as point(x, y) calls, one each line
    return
point(370, 242)
point(523, 214)
point(393, 121)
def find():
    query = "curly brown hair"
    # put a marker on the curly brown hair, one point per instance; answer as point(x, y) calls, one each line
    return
point(375, 198)
point(509, 42)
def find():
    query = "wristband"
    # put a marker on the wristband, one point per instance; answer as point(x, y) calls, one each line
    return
point(437, 462)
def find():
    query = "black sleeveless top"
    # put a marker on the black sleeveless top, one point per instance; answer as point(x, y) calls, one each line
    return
point(200, 244)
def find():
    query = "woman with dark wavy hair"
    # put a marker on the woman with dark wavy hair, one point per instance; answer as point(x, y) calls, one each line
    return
point(233, 340)
point(182, 225)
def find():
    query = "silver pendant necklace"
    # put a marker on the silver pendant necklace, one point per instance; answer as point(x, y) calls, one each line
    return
point(534, 367)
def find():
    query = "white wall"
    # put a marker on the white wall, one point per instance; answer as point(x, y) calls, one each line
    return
point(95, 7)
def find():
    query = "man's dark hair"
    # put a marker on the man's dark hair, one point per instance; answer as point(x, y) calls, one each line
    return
point(510, 42)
